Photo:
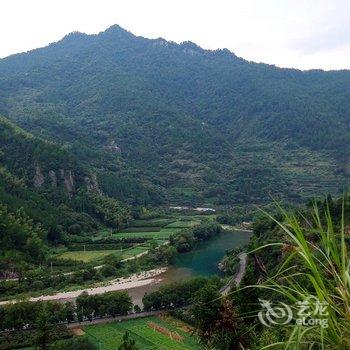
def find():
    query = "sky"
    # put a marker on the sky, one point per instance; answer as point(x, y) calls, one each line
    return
point(302, 34)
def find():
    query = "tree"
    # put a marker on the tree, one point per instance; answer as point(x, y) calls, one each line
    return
point(69, 311)
point(128, 343)
point(206, 309)
point(108, 270)
point(116, 303)
point(45, 331)
point(75, 344)
point(137, 309)
point(216, 319)
point(165, 254)
point(112, 260)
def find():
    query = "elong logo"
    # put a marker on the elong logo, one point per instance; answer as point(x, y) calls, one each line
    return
point(310, 312)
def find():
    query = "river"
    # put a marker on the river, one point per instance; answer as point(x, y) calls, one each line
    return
point(201, 261)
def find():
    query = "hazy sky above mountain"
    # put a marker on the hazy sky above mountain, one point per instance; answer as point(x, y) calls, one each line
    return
point(289, 33)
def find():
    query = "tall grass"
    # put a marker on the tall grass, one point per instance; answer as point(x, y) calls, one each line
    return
point(318, 265)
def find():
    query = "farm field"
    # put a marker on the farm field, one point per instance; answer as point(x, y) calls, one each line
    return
point(158, 229)
point(183, 224)
point(95, 255)
point(163, 234)
point(88, 255)
point(150, 333)
point(157, 222)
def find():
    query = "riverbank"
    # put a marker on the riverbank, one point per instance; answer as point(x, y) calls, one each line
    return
point(237, 278)
point(134, 281)
point(234, 228)
point(201, 261)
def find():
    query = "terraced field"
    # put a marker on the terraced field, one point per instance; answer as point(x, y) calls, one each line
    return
point(87, 256)
point(163, 234)
point(96, 255)
point(150, 333)
point(158, 229)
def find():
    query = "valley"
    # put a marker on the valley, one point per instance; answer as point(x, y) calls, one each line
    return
point(203, 260)
point(158, 195)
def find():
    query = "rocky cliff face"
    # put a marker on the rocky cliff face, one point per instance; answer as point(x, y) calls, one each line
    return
point(66, 178)
point(53, 178)
point(113, 147)
point(39, 179)
point(92, 184)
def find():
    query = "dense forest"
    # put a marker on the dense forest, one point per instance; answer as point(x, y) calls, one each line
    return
point(45, 194)
point(159, 121)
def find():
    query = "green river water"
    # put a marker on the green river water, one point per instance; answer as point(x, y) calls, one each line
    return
point(202, 261)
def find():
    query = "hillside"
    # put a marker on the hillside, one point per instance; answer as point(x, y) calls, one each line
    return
point(161, 122)
point(45, 193)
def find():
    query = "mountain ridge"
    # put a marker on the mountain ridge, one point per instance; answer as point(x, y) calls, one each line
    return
point(115, 28)
point(190, 120)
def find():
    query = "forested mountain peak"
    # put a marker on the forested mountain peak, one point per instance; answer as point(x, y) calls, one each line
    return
point(199, 125)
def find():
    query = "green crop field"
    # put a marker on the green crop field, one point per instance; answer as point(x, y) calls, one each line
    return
point(164, 234)
point(95, 255)
point(143, 234)
point(128, 253)
point(87, 256)
point(150, 333)
point(142, 229)
point(158, 229)
point(183, 224)
point(157, 222)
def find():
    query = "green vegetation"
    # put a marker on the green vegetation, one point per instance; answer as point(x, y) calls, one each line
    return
point(46, 198)
point(99, 129)
point(118, 254)
point(160, 122)
point(86, 256)
point(128, 343)
point(297, 257)
point(163, 234)
point(321, 252)
point(20, 236)
point(176, 295)
point(43, 319)
point(148, 333)
point(106, 304)
point(167, 230)
point(75, 344)
point(186, 239)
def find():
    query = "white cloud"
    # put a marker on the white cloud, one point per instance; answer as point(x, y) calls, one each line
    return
point(289, 33)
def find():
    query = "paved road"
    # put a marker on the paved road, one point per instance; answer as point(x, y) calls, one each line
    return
point(238, 277)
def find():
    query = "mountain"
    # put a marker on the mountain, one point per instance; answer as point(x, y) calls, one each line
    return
point(161, 122)
point(44, 193)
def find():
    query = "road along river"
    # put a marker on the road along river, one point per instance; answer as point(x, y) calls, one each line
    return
point(202, 261)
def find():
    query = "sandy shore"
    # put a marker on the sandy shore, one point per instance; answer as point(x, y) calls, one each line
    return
point(133, 281)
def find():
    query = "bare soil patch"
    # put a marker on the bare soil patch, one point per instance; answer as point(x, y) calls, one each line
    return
point(165, 331)
point(77, 331)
